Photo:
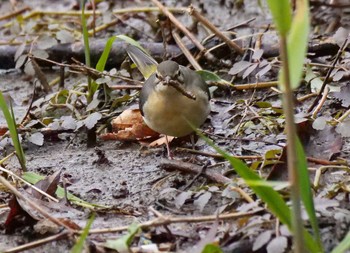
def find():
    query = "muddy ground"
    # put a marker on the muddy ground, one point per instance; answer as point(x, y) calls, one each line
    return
point(128, 177)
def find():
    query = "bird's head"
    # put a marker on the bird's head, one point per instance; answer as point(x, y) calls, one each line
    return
point(168, 71)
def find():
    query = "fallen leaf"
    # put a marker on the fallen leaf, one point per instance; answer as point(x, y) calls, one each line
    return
point(129, 125)
point(277, 245)
point(262, 239)
point(161, 141)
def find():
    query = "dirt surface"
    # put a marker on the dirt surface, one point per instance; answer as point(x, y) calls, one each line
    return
point(126, 179)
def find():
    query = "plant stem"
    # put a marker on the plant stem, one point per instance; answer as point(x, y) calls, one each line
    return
point(293, 175)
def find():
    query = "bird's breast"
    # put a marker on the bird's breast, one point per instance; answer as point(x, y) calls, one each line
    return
point(169, 112)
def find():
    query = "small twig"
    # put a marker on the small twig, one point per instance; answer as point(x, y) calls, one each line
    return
point(40, 75)
point(242, 193)
point(37, 243)
point(310, 95)
point(320, 3)
point(204, 167)
point(81, 68)
point(255, 85)
point(194, 169)
point(166, 220)
point(198, 152)
point(15, 13)
point(126, 87)
point(161, 216)
point(33, 204)
point(30, 185)
point(325, 162)
point(321, 170)
point(185, 51)
point(321, 103)
point(177, 86)
point(30, 105)
point(325, 81)
point(182, 28)
point(193, 12)
point(344, 116)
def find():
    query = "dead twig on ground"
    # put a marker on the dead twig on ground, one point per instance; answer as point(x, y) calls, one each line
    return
point(261, 85)
point(193, 12)
point(194, 169)
point(185, 51)
point(37, 243)
point(321, 103)
point(33, 205)
point(167, 220)
point(182, 28)
point(325, 82)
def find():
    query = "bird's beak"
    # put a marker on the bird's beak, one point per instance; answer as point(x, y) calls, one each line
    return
point(167, 79)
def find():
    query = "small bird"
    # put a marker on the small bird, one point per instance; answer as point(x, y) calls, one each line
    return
point(173, 100)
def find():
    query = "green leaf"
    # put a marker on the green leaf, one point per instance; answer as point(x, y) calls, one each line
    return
point(305, 190)
point(282, 15)
point(209, 76)
point(33, 178)
point(123, 243)
point(211, 248)
point(343, 245)
point(11, 124)
point(298, 42)
point(79, 245)
point(101, 64)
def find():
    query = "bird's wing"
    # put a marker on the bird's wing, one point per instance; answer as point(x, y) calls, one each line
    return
point(147, 89)
point(197, 80)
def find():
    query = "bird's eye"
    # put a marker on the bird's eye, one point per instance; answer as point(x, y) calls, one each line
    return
point(178, 74)
point(157, 76)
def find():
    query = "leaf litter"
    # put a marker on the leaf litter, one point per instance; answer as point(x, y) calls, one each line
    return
point(253, 126)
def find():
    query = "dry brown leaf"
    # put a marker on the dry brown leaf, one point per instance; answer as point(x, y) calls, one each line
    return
point(161, 141)
point(129, 125)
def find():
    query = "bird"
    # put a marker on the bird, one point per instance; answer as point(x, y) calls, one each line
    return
point(174, 100)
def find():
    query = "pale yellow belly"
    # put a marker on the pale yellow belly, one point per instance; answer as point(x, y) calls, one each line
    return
point(171, 115)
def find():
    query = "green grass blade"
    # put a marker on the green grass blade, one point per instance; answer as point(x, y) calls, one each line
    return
point(100, 66)
point(209, 76)
point(79, 246)
point(298, 42)
point(282, 15)
point(85, 34)
point(305, 190)
point(343, 245)
point(92, 86)
point(267, 194)
point(11, 123)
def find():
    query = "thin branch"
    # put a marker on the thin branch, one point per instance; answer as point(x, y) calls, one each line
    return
point(325, 81)
point(166, 220)
point(182, 28)
point(193, 12)
point(185, 51)
point(33, 204)
point(37, 243)
point(30, 185)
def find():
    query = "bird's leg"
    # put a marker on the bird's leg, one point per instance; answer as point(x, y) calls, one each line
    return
point(193, 141)
point(170, 155)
